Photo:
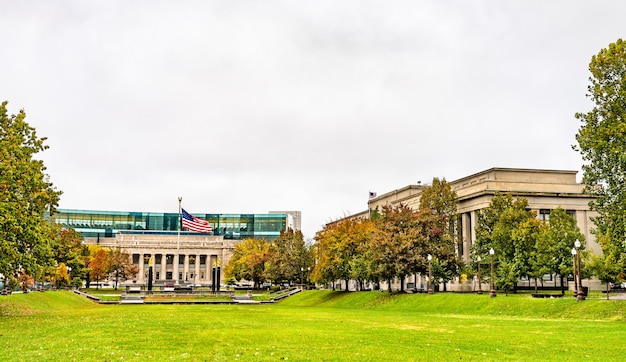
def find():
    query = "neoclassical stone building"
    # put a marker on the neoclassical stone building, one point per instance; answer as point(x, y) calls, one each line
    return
point(544, 189)
point(197, 255)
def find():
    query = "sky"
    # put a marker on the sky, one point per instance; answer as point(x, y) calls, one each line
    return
point(255, 106)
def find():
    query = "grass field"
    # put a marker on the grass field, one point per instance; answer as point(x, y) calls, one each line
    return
point(315, 326)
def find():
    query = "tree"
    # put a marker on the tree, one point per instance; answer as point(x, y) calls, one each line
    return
point(606, 269)
point(506, 277)
point(99, 264)
point(496, 225)
point(525, 241)
point(511, 230)
point(395, 246)
point(248, 260)
point(342, 251)
point(68, 248)
point(25, 195)
point(435, 238)
point(62, 278)
point(602, 143)
point(121, 265)
point(440, 201)
point(288, 257)
point(558, 240)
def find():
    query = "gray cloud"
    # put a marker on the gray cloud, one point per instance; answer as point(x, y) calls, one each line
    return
point(255, 106)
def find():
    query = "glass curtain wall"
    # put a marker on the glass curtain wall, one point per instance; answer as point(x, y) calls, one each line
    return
point(231, 226)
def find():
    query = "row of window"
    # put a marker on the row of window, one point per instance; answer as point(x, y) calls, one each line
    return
point(232, 226)
point(169, 259)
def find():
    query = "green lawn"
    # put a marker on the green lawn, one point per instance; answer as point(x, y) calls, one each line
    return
point(315, 326)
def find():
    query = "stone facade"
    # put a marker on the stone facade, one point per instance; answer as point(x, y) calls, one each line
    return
point(197, 256)
point(544, 189)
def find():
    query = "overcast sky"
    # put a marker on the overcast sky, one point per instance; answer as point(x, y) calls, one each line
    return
point(252, 106)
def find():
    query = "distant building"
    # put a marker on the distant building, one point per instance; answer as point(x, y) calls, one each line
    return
point(184, 257)
point(544, 189)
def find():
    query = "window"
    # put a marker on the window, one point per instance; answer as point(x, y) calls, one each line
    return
point(544, 215)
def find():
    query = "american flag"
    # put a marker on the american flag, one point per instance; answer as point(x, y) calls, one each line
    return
point(193, 223)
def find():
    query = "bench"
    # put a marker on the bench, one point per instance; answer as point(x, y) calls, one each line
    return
point(542, 295)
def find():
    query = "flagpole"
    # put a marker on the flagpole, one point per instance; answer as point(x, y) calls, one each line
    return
point(180, 200)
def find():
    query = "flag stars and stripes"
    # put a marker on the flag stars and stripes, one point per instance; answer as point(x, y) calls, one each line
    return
point(193, 223)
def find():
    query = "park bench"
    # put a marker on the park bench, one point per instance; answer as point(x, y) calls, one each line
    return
point(544, 295)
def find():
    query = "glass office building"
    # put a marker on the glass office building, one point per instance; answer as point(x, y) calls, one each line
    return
point(108, 223)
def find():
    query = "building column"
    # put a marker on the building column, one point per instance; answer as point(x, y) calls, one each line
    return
point(472, 226)
point(146, 269)
point(175, 268)
point(196, 272)
point(186, 269)
point(466, 234)
point(163, 266)
point(207, 267)
point(140, 266)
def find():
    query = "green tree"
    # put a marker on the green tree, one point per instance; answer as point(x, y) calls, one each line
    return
point(441, 201)
point(506, 277)
point(525, 240)
point(561, 234)
point(602, 143)
point(288, 258)
point(498, 222)
point(433, 239)
point(68, 248)
point(25, 195)
point(606, 269)
point(510, 229)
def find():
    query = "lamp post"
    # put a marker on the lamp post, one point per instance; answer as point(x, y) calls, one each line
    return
point(575, 271)
point(581, 295)
point(308, 277)
point(69, 274)
point(301, 273)
point(493, 285)
point(480, 289)
point(4, 284)
point(430, 275)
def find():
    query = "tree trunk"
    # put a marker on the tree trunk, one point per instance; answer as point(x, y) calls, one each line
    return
point(402, 284)
point(562, 286)
point(117, 277)
point(389, 285)
point(535, 285)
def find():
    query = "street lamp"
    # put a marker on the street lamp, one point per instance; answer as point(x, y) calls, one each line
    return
point(575, 271)
point(69, 274)
point(493, 285)
point(430, 275)
point(581, 295)
point(301, 273)
point(4, 284)
point(480, 289)
point(308, 276)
